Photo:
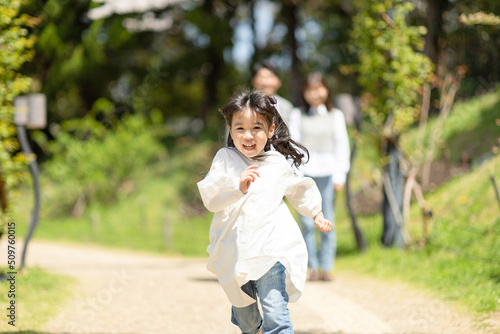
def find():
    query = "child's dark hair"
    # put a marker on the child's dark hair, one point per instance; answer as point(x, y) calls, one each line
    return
point(267, 65)
point(266, 106)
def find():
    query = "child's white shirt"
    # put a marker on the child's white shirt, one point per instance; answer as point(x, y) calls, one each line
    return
point(251, 232)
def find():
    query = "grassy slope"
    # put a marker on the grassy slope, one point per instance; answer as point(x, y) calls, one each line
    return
point(462, 261)
point(470, 129)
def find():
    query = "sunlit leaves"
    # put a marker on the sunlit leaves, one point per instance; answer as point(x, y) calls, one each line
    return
point(480, 18)
point(15, 49)
point(391, 67)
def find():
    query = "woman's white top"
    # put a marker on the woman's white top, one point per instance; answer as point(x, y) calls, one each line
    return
point(324, 134)
point(251, 232)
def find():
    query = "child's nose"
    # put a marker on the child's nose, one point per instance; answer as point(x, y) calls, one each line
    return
point(248, 134)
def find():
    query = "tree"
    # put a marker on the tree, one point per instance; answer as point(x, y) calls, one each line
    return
point(392, 70)
point(434, 24)
point(181, 69)
point(290, 14)
point(451, 43)
point(15, 49)
point(79, 60)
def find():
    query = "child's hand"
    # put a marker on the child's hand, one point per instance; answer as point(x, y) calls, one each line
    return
point(324, 225)
point(247, 177)
point(338, 187)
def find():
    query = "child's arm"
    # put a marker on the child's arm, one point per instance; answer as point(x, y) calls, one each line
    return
point(219, 188)
point(304, 195)
point(323, 224)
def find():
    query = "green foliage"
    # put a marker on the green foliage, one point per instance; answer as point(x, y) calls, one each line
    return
point(91, 161)
point(79, 60)
point(15, 49)
point(191, 163)
point(478, 35)
point(157, 216)
point(326, 26)
point(391, 68)
point(74, 64)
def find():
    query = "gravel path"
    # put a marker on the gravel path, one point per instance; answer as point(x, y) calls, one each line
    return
point(130, 292)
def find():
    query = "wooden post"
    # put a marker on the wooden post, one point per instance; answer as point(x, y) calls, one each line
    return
point(167, 230)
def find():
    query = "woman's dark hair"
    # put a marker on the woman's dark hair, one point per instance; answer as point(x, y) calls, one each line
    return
point(266, 106)
point(267, 65)
point(312, 79)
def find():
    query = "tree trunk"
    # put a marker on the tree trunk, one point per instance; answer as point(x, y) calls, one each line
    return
point(289, 11)
point(210, 86)
point(434, 24)
point(358, 235)
point(3, 201)
point(393, 193)
point(3, 195)
point(215, 59)
point(256, 52)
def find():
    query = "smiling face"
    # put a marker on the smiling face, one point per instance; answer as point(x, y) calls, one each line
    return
point(250, 132)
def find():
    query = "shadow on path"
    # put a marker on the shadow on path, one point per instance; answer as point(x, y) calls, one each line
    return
point(36, 332)
point(204, 279)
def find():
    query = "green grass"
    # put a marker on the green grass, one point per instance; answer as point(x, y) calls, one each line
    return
point(152, 219)
point(461, 262)
point(39, 295)
point(470, 129)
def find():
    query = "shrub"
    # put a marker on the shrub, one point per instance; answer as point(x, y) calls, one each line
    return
point(92, 162)
point(191, 162)
point(16, 48)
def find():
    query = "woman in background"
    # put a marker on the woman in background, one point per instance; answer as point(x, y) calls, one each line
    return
point(321, 128)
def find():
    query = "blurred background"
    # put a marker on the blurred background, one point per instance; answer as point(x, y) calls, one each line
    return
point(133, 90)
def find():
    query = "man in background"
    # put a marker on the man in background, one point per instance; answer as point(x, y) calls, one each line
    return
point(266, 78)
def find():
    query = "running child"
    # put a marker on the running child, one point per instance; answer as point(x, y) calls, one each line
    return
point(256, 247)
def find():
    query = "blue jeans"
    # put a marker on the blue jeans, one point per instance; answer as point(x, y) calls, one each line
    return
point(328, 246)
point(274, 300)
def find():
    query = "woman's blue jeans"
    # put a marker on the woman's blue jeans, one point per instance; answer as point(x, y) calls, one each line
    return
point(328, 247)
point(271, 290)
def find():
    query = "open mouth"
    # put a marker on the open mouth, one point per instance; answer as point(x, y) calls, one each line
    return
point(249, 146)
